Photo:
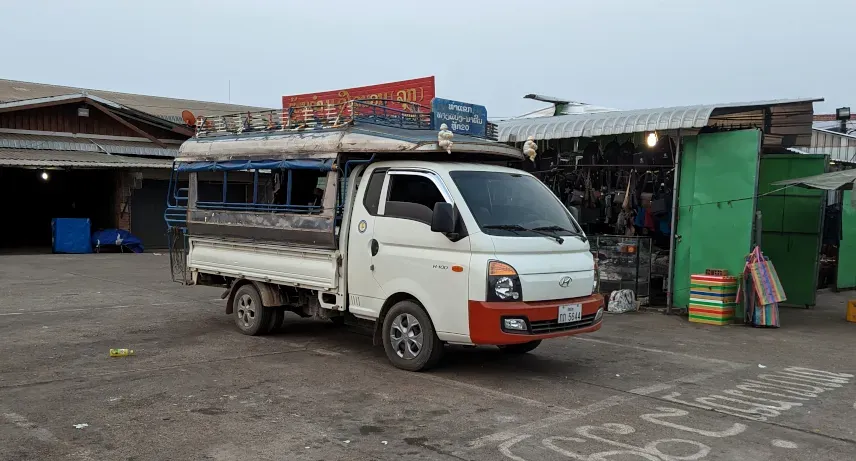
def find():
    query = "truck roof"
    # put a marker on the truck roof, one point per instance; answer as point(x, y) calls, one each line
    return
point(352, 127)
point(449, 166)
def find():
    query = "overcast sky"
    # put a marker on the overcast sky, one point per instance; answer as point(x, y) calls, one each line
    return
point(616, 53)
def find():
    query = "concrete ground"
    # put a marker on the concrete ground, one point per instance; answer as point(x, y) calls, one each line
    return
point(645, 387)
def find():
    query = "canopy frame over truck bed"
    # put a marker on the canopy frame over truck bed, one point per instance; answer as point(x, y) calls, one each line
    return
point(323, 141)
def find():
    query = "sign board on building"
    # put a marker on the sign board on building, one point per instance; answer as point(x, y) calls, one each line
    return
point(460, 117)
point(395, 94)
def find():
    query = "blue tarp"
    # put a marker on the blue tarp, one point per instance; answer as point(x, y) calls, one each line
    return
point(70, 235)
point(117, 237)
point(325, 164)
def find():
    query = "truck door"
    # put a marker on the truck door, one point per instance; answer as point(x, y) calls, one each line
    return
point(412, 259)
point(365, 296)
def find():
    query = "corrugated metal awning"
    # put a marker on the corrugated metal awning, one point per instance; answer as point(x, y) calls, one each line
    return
point(636, 121)
point(85, 144)
point(836, 180)
point(32, 158)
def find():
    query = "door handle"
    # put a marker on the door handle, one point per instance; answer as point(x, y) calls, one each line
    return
point(374, 247)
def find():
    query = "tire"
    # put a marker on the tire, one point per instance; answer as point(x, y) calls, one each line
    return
point(276, 319)
point(409, 339)
point(338, 321)
point(521, 348)
point(251, 317)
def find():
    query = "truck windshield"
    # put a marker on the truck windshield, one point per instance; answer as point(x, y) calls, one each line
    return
point(513, 204)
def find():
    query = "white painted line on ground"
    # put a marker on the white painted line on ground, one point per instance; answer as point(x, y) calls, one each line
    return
point(568, 415)
point(662, 351)
point(39, 433)
point(81, 309)
point(505, 448)
point(494, 393)
point(535, 426)
point(691, 379)
point(325, 352)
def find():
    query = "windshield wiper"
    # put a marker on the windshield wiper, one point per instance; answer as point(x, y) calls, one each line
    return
point(516, 228)
point(562, 229)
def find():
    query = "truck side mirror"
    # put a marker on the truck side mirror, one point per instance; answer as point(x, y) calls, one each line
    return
point(444, 219)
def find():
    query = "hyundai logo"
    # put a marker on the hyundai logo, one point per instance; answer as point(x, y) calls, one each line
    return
point(565, 281)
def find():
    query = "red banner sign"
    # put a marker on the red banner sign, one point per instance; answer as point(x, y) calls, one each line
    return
point(396, 94)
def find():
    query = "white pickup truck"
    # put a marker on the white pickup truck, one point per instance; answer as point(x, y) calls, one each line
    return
point(366, 220)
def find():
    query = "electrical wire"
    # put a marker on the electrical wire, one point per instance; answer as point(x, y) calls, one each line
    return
point(738, 199)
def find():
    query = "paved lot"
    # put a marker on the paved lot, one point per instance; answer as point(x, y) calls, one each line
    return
point(646, 387)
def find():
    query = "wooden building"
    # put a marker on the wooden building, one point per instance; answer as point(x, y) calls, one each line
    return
point(71, 152)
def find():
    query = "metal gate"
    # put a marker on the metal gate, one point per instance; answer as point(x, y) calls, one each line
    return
point(175, 217)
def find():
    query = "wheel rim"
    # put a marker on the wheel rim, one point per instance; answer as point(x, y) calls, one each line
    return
point(405, 336)
point(246, 311)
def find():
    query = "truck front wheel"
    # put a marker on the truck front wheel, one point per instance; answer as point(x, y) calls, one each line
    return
point(409, 339)
point(251, 316)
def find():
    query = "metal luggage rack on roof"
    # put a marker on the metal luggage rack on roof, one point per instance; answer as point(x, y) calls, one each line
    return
point(328, 116)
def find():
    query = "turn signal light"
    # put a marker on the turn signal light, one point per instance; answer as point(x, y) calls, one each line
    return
point(496, 268)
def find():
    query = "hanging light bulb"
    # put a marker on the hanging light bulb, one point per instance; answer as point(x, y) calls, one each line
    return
point(44, 176)
point(652, 139)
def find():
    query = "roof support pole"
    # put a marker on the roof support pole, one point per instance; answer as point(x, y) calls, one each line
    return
point(670, 293)
point(126, 123)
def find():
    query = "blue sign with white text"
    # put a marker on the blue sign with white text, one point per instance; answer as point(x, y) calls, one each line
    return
point(460, 117)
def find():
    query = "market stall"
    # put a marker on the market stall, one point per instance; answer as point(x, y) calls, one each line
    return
point(845, 228)
point(683, 177)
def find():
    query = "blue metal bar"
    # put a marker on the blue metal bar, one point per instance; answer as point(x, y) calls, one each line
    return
point(225, 181)
point(288, 189)
point(255, 186)
point(347, 171)
point(169, 191)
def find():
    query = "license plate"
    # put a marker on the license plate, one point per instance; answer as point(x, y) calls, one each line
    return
point(570, 313)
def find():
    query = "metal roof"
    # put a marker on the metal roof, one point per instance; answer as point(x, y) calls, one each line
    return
point(635, 121)
point(81, 143)
point(836, 180)
point(840, 147)
point(33, 158)
point(165, 108)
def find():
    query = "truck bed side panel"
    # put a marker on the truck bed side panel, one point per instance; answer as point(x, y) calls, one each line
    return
point(280, 264)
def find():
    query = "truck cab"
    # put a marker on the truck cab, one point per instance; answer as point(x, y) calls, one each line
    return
point(424, 247)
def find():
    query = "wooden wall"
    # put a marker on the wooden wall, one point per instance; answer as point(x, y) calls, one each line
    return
point(65, 119)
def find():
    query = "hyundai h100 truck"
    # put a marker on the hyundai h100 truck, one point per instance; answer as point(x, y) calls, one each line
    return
point(367, 215)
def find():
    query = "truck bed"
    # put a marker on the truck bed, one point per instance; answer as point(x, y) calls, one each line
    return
point(290, 265)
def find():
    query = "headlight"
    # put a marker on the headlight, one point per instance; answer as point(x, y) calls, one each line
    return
point(503, 283)
point(514, 324)
point(599, 315)
point(595, 285)
point(504, 288)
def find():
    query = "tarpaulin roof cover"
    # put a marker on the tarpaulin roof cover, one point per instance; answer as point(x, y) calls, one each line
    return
point(837, 180)
point(324, 164)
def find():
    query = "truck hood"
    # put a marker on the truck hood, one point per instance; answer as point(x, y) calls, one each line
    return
point(544, 266)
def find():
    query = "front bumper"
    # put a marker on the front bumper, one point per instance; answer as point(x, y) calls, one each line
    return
point(541, 318)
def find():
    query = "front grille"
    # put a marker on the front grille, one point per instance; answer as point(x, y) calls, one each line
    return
point(553, 326)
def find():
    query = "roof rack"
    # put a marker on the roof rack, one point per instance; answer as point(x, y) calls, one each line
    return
point(322, 116)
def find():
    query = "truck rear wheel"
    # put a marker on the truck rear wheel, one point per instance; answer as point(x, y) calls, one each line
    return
point(276, 319)
point(520, 348)
point(409, 339)
point(251, 317)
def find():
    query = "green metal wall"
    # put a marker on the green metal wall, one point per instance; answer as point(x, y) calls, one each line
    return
point(792, 223)
point(716, 206)
point(683, 233)
point(847, 249)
